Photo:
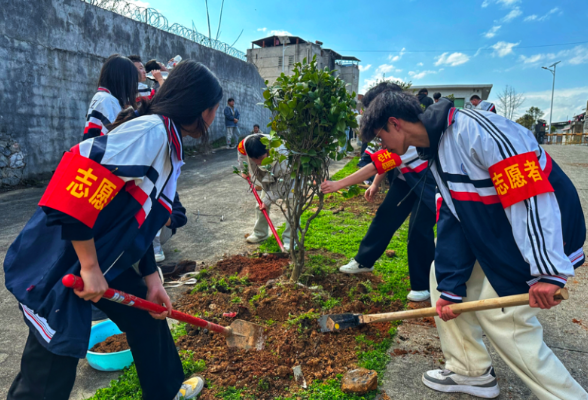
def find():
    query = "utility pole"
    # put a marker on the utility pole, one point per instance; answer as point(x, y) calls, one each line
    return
point(552, 91)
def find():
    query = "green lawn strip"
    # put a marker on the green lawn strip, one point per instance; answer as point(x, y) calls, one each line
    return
point(127, 385)
point(342, 233)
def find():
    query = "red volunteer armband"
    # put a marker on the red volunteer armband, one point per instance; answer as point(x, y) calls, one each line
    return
point(519, 178)
point(241, 147)
point(81, 188)
point(385, 161)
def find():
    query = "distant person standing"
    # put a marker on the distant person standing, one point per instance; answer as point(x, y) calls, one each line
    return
point(436, 97)
point(232, 123)
point(424, 98)
point(144, 90)
point(480, 104)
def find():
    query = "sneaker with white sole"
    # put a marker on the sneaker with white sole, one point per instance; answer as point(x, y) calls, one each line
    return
point(353, 267)
point(418, 295)
point(446, 381)
point(159, 257)
point(255, 239)
point(190, 388)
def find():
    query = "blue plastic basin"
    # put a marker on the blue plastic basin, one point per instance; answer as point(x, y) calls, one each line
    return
point(107, 361)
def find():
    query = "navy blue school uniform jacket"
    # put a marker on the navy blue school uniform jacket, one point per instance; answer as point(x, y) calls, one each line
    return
point(118, 190)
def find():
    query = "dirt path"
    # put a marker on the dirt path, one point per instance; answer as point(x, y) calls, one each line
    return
point(206, 184)
point(566, 326)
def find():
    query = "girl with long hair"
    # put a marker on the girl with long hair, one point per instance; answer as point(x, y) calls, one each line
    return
point(106, 201)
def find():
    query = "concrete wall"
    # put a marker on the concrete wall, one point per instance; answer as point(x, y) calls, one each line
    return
point(350, 74)
point(459, 92)
point(51, 53)
point(268, 60)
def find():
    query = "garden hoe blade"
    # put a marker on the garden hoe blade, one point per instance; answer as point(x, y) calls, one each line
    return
point(336, 322)
point(246, 335)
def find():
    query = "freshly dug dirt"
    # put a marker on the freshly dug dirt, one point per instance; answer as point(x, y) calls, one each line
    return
point(113, 344)
point(289, 312)
point(260, 269)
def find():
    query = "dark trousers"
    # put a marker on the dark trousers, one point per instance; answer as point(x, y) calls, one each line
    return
point(44, 375)
point(421, 237)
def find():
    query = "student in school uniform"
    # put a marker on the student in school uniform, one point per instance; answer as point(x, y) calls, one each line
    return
point(97, 219)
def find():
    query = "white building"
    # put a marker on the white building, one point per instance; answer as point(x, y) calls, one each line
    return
point(462, 93)
point(272, 58)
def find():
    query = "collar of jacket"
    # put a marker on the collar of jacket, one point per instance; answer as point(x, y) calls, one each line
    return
point(435, 121)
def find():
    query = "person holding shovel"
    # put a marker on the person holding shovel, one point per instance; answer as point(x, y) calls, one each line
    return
point(274, 179)
point(412, 193)
point(510, 222)
point(98, 217)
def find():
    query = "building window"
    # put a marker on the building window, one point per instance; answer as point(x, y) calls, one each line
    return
point(459, 103)
point(290, 61)
point(279, 62)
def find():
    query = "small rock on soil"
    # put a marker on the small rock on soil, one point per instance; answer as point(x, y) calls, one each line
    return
point(112, 344)
point(390, 253)
point(359, 381)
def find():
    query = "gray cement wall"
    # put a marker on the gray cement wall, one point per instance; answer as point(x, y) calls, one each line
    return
point(51, 53)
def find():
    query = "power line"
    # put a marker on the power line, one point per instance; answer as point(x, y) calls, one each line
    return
point(442, 51)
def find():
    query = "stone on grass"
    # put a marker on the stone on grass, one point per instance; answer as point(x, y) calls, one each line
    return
point(359, 381)
point(390, 253)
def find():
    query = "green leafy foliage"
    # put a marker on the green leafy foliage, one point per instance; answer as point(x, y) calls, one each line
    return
point(328, 390)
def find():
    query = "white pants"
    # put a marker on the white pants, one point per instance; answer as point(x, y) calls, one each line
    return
point(515, 333)
point(162, 236)
point(232, 131)
point(262, 229)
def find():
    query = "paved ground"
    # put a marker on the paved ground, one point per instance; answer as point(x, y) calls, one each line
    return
point(567, 338)
point(206, 184)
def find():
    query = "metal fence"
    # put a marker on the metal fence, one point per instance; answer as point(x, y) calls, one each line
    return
point(154, 18)
point(566, 138)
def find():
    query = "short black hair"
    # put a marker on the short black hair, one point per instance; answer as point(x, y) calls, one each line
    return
point(256, 125)
point(437, 96)
point(254, 148)
point(423, 91)
point(376, 90)
point(152, 65)
point(230, 99)
point(475, 96)
point(135, 58)
point(389, 104)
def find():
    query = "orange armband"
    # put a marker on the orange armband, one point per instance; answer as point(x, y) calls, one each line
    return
point(241, 147)
point(81, 188)
point(519, 178)
point(385, 161)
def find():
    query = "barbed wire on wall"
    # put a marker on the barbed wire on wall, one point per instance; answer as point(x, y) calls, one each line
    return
point(154, 18)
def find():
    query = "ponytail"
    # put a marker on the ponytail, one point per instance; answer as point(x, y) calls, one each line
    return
point(130, 113)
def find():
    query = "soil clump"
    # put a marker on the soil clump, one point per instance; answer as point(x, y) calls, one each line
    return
point(112, 344)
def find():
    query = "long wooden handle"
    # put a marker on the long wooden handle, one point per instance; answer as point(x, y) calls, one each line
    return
point(266, 215)
point(480, 305)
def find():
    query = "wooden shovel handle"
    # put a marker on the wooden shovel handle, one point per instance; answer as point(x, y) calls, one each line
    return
point(480, 305)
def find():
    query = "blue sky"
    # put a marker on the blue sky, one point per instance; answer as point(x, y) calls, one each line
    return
point(425, 41)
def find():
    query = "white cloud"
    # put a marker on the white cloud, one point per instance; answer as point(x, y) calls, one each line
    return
point(535, 17)
point(502, 49)
point(367, 83)
point(514, 13)
point(566, 102)
point(281, 33)
point(492, 32)
point(575, 56)
point(508, 3)
point(420, 64)
point(384, 68)
point(421, 74)
point(485, 4)
point(397, 57)
point(452, 60)
point(261, 29)
point(363, 68)
point(139, 3)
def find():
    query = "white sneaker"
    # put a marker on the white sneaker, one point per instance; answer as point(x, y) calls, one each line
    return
point(420, 295)
point(159, 257)
point(190, 388)
point(353, 267)
point(287, 247)
point(255, 239)
point(446, 381)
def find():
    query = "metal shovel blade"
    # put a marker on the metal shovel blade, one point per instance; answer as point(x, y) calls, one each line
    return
point(246, 335)
point(336, 322)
